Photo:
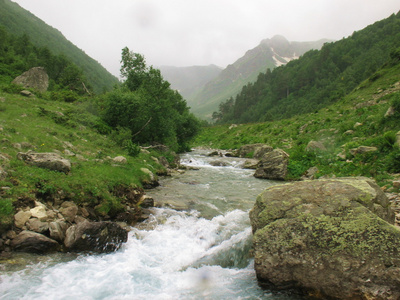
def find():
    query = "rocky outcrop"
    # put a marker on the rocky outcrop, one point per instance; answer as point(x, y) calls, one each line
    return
point(95, 236)
point(362, 150)
point(250, 149)
point(330, 238)
point(29, 241)
point(273, 165)
point(72, 227)
point(35, 78)
point(51, 161)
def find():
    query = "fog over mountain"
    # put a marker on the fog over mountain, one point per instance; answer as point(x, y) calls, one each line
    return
point(190, 32)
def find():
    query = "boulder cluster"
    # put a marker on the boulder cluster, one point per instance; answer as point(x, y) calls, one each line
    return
point(65, 226)
point(58, 224)
point(268, 162)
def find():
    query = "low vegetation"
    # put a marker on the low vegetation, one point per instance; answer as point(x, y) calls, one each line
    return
point(359, 119)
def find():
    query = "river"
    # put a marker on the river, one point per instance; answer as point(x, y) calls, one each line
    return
point(201, 252)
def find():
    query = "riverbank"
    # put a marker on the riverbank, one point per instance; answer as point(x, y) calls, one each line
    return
point(202, 251)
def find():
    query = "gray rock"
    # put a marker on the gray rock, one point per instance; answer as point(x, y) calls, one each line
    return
point(314, 146)
point(58, 230)
point(32, 242)
point(251, 164)
point(35, 78)
point(273, 165)
point(218, 163)
point(51, 161)
point(36, 225)
point(362, 150)
point(333, 238)
point(69, 211)
point(95, 236)
point(248, 150)
point(21, 217)
point(120, 160)
point(259, 152)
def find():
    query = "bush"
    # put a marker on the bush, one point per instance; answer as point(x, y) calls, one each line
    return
point(132, 148)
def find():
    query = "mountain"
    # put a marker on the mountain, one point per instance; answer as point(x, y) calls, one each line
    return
point(188, 80)
point(317, 79)
point(19, 21)
point(270, 53)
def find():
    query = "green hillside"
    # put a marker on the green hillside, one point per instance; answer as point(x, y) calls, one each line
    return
point(357, 119)
point(19, 21)
point(317, 79)
point(269, 54)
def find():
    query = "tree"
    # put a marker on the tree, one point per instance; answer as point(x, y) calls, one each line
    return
point(148, 107)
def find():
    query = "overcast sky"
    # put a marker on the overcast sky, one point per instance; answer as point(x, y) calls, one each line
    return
point(200, 32)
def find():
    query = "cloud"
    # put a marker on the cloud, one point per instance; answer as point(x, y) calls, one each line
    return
point(192, 32)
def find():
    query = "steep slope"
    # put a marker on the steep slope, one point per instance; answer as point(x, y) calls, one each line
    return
point(188, 80)
point(19, 21)
point(270, 53)
point(359, 118)
point(317, 79)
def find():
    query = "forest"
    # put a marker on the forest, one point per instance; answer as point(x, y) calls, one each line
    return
point(315, 80)
point(143, 110)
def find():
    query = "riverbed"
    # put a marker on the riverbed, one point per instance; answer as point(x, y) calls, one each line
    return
point(196, 246)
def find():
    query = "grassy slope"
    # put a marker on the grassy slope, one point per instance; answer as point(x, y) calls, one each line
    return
point(329, 126)
point(37, 124)
point(19, 21)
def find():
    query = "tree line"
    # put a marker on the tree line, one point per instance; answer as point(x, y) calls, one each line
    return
point(316, 79)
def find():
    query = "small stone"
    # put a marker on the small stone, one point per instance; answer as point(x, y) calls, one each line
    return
point(21, 217)
point(120, 160)
point(39, 212)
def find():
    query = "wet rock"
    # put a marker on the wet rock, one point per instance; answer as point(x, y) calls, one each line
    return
point(151, 182)
point(95, 236)
point(251, 164)
point(214, 153)
point(333, 238)
point(146, 201)
point(32, 242)
point(273, 165)
point(218, 163)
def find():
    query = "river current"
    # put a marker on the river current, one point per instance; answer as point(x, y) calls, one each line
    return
point(199, 252)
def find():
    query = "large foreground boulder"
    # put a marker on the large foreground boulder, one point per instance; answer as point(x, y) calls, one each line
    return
point(49, 160)
point(273, 165)
point(330, 238)
point(95, 236)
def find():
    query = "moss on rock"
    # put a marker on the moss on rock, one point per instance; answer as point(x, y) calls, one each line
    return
point(336, 230)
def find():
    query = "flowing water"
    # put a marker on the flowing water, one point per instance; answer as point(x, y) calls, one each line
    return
point(201, 252)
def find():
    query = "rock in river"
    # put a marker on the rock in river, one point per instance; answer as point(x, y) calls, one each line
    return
point(95, 236)
point(331, 238)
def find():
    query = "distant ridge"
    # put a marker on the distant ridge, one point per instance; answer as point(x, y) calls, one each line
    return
point(270, 53)
point(188, 80)
point(19, 21)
